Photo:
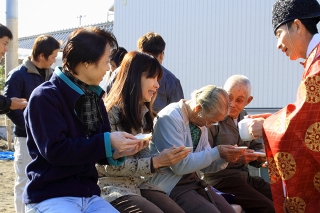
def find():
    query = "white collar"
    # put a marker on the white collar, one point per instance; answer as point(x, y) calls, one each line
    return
point(313, 43)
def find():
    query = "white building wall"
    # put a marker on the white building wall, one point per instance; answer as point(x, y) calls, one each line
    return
point(210, 40)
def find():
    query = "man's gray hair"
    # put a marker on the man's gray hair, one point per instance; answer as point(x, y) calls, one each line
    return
point(213, 100)
point(238, 79)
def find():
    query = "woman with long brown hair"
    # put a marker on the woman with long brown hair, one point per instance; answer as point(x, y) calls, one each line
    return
point(129, 106)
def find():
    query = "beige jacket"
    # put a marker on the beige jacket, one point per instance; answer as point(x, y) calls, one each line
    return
point(129, 178)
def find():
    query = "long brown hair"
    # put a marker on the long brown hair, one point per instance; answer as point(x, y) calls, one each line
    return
point(126, 91)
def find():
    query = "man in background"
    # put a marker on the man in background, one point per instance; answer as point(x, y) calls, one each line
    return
point(170, 89)
point(7, 104)
point(20, 82)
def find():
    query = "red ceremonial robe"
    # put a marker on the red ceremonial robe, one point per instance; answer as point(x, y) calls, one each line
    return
point(292, 143)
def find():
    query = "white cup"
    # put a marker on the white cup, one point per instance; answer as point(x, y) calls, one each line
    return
point(244, 130)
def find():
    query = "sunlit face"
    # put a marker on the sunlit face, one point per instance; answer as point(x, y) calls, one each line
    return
point(92, 74)
point(238, 96)
point(4, 42)
point(46, 63)
point(294, 48)
point(149, 87)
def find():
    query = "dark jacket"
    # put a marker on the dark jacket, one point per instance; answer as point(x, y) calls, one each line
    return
point(226, 133)
point(5, 104)
point(63, 157)
point(20, 82)
point(170, 91)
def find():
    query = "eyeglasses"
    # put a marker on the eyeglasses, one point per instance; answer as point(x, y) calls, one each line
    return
point(211, 124)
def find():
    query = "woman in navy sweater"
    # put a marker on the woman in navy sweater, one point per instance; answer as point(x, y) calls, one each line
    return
point(68, 130)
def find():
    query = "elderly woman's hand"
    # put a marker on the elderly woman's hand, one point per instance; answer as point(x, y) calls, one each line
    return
point(170, 156)
point(230, 153)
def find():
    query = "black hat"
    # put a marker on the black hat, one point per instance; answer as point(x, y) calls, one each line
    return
point(288, 10)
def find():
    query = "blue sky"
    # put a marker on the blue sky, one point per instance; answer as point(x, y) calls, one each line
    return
point(40, 16)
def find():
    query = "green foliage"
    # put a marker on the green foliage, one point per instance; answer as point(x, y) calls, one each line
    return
point(2, 77)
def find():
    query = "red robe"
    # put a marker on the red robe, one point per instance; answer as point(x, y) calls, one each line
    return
point(292, 143)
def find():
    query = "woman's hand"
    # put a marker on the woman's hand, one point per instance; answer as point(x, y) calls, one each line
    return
point(170, 156)
point(126, 144)
point(230, 153)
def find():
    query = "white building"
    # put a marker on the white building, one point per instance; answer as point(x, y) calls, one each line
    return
point(209, 40)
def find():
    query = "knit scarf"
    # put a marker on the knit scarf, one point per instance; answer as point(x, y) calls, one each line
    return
point(90, 111)
point(195, 135)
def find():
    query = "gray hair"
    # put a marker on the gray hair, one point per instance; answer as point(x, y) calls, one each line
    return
point(213, 100)
point(236, 80)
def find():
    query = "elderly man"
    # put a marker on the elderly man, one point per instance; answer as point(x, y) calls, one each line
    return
point(291, 135)
point(252, 193)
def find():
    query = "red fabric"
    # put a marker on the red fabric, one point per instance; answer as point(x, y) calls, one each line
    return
point(292, 142)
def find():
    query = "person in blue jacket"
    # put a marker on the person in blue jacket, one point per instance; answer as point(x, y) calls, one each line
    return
point(7, 104)
point(68, 130)
point(20, 82)
point(170, 89)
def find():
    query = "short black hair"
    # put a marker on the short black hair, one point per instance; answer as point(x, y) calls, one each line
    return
point(117, 55)
point(86, 45)
point(4, 31)
point(310, 24)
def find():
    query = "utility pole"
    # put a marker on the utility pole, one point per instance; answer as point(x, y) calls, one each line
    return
point(80, 17)
point(11, 59)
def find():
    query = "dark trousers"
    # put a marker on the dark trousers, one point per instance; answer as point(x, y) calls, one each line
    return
point(192, 198)
point(197, 201)
point(253, 195)
point(152, 201)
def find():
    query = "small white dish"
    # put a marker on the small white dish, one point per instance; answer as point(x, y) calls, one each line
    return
point(188, 147)
point(241, 147)
point(143, 136)
point(262, 154)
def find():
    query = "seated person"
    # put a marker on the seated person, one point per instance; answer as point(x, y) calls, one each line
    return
point(129, 106)
point(252, 193)
point(184, 124)
point(68, 131)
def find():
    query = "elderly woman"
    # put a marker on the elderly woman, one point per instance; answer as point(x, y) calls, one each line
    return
point(184, 124)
